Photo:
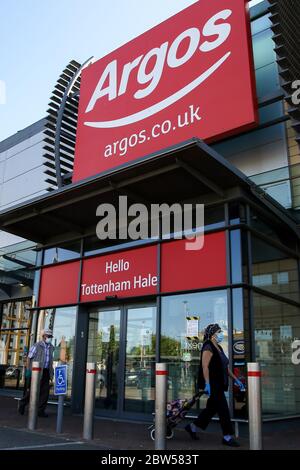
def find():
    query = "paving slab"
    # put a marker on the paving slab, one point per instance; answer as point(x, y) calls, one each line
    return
point(129, 435)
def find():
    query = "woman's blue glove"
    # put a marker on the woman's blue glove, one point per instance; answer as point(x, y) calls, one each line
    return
point(240, 385)
point(28, 373)
point(207, 389)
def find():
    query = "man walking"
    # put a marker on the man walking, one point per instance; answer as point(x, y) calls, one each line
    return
point(41, 352)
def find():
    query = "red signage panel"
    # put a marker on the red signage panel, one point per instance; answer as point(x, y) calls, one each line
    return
point(187, 270)
point(133, 273)
point(190, 76)
point(59, 284)
point(125, 274)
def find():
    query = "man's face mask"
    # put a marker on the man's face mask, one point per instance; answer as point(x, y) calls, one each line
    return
point(48, 340)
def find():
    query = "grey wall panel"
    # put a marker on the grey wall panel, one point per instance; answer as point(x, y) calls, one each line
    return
point(3, 155)
point(22, 135)
point(25, 180)
point(23, 162)
point(21, 172)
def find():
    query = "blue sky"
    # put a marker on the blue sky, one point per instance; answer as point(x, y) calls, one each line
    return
point(39, 37)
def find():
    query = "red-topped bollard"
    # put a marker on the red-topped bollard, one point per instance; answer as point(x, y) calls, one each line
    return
point(36, 372)
point(89, 402)
point(254, 405)
point(161, 380)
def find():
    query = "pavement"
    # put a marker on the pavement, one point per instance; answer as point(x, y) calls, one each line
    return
point(20, 439)
point(111, 434)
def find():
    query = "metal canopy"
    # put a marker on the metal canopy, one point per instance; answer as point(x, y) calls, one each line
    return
point(189, 171)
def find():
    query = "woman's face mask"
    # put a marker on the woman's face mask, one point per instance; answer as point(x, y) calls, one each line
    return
point(220, 337)
point(48, 340)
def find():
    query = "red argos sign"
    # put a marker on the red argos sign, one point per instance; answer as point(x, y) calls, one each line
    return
point(191, 76)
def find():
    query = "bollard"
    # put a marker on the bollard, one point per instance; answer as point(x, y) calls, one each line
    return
point(34, 395)
point(254, 405)
point(161, 377)
point(89, 402)
point(60, 413)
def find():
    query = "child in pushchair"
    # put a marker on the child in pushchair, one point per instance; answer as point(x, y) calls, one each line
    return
point(176, 412)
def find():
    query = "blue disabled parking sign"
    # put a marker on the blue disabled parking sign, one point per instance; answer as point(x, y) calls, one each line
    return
point(60, 376)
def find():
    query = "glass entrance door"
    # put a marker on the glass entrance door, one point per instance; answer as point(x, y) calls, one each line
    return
point(104, 350)
point(140, 359)
point(122, 344)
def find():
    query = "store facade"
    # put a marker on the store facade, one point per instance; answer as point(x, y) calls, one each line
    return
point(126, 304)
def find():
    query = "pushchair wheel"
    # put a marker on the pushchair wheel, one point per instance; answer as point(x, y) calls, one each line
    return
point(169, 435)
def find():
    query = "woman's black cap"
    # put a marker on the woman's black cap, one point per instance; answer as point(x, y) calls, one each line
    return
point(210, 330)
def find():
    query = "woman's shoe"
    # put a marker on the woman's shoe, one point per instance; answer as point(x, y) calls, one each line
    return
point(231, 443)
point(191, 432)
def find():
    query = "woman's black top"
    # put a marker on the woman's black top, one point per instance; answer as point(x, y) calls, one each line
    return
point(218, 368)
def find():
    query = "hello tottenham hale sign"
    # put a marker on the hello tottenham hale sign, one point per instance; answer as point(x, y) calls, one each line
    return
point(190, 76)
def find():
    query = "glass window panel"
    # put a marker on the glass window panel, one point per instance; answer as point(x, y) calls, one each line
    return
point(181, 348)
point(257, 152)
point(14, 342)
point(62, 322)
point(260, 24)
point(214, 217)
point(237, 213)
point(281, 192)
point(263, 49)
point(240, 349)
point(269, 177)
point(270, 112)
point(267, 80)
point(266, 227)
point(277, 330)
point(16, 263)
point(239, 256)
point(93, 245)
point(64, 252)
point(270, 266)
point(251, 140)
point(236, 256)
point(257, 7)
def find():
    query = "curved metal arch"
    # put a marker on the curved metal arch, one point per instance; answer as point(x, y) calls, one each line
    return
point(60, 118)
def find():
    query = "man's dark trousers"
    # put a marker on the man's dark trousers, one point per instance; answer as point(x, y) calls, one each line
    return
point(44, 390)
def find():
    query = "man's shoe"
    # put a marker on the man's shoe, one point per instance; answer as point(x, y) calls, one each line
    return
point(191, 432)
point(21, 408)
point(42, 414)
point(231, 443)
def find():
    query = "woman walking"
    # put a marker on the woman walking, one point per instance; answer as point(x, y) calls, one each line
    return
point(214, 376)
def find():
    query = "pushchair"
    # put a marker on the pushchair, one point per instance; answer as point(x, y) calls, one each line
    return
point(176, 412)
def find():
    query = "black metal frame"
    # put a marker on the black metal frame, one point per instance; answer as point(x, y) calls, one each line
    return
point(78, 390)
